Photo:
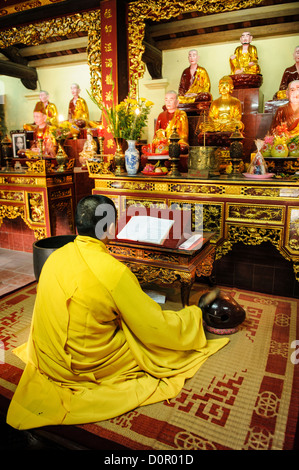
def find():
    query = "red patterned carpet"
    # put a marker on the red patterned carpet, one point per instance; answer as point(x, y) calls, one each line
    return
point(245, 397)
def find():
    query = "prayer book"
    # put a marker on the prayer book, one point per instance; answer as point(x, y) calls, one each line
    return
point(146, 229)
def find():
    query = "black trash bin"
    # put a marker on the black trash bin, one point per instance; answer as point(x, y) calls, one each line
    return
point(44, 247)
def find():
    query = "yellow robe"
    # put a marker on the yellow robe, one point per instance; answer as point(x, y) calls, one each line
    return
point(99, 346)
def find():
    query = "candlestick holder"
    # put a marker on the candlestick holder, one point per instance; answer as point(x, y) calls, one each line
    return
point(236, 151)
point(174, 153)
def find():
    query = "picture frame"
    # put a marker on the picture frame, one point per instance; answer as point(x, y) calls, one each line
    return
point(18, 142)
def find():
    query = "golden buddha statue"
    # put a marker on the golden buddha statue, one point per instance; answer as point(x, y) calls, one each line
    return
point(194, 80)
point(170, 119)
point(89, 149)
point(225, 112)
point(245, 58)
point(50, 110)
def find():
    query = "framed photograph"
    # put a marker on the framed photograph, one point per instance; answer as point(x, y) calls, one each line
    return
point(18, 142)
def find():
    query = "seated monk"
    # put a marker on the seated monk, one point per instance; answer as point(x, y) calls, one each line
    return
point(89, 149)
point(98, 345)
point(169, 120)
point(289, 113)
point(245, 59)
point(225, 112)
point(78, 112)
point(289, 75)
point(195, 82)
point(50, 109)
point(42, 131)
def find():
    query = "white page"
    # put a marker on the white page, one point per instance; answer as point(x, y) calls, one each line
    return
point(146, 229)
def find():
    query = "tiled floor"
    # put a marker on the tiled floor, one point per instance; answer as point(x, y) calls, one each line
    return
point(16, 270)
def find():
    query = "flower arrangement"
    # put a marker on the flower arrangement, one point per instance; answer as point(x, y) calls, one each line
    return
point(61, 133)
point(128, 118)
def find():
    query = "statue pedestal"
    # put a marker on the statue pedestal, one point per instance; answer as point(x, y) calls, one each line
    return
point(251, 98)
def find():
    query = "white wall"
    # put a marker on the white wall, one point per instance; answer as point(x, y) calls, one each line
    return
point(20, 102)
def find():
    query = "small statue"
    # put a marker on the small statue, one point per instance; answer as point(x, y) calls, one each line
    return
point(50, 110)
point(225, 112)
point(289, 75)
point(170, 119)
point(89, 149)
point(194, 81)
point(288, 114)
point(245, 58)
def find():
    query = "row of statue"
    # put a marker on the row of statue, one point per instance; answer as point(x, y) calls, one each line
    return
point(225, 112)
point(224, 115)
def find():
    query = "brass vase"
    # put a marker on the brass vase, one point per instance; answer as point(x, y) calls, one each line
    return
point(119, 158)
point(61, 157)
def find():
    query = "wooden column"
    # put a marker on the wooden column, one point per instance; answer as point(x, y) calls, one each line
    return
point(114, 53)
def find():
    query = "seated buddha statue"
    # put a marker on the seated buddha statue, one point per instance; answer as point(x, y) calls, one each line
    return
point(225, 112)
point(288, 114)
point(170, 119)
point(245, 58)
point(89, 149)
point(195, 82)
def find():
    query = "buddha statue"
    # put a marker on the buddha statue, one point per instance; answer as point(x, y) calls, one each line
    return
point(195, 82)
point(170, 119)
point(89, 149)
point(225, 112)
point(245, 58)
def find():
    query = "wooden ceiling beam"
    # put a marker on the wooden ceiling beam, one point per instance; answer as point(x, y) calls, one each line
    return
point(259, 32)
point(207, 21)
point(57, 46)
point(59, 60)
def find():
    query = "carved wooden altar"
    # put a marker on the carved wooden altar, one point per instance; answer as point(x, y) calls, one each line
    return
point(237, 210)
point(40, 196)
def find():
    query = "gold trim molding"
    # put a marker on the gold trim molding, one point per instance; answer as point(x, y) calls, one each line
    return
point(37, 33)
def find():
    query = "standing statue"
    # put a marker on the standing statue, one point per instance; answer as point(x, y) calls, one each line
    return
point(245, 58)
point(225, 112)
point(194, 81)
point(289, 75)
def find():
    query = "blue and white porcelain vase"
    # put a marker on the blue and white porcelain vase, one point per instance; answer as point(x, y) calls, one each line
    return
point(132, 158)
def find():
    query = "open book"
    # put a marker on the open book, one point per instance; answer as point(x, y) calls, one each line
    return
point(146, 229)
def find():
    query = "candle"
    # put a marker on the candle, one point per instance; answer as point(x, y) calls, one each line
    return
point(101, 131)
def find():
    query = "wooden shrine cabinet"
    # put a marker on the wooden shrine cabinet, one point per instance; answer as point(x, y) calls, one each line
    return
point(237, 210)
point(42, 198)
